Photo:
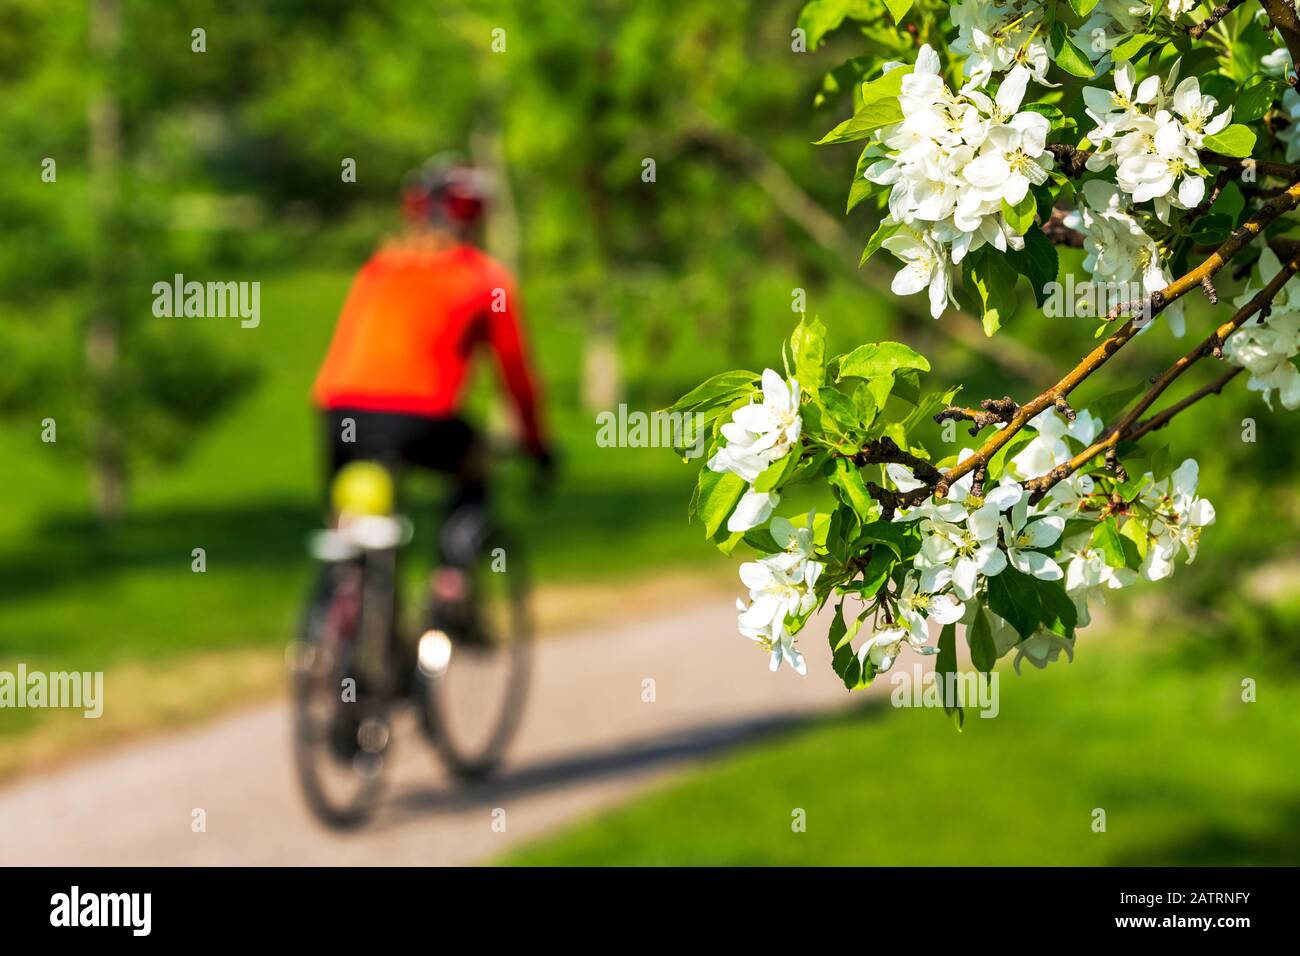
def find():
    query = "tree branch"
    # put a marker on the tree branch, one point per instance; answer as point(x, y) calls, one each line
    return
point(1125, 428)
point(1218, 13)
point(1162, 419)
point(1283, 15)
point(1098, 357)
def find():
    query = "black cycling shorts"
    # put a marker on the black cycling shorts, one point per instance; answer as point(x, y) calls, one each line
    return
point(394, 440)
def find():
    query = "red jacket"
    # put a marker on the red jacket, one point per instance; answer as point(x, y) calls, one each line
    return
point(408, 331)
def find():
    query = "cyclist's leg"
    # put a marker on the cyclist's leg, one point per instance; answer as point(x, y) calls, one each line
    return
point(452, 447)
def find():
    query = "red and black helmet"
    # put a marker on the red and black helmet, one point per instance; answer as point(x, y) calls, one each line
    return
point(446, 189)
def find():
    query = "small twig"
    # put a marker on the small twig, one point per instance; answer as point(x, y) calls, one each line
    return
point(1220, 181)
point(1207, 286)
point(1199, 30)
point(884, 451)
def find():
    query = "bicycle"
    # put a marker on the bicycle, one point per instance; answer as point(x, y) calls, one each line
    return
point(353, 667)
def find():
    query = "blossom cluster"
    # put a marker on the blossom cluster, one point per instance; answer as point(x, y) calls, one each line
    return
point(952, 164)
point(1118, 250)
point(997, 35)
point(968, 537)
point(1150, 133)
point(1266, 347)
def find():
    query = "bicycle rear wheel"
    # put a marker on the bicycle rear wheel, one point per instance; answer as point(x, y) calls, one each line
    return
point(341, 701)
point(471, 682)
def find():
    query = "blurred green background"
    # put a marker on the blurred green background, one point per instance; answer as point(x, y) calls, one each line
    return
point(175, 434)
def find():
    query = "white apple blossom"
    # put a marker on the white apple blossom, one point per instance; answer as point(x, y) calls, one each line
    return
point(1276, 63)
point(1069, 497)
point(1022, 536)
point(780, 587)
point(757, 435)
point(916, 606)
point(926, 266)
point(1177, 518)
point(959, 537)
point(1043, 648)
point(1048, 448)
point(754, 508)
point(881, 649)
point(1012, 157)
point(1088, 576)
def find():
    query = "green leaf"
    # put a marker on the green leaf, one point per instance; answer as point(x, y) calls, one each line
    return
point(944, 664)
point(1053, 113)
point(894, 535)
point(1057, 611)
point(1038, 262)
point(887, 86)
point(879, 108)
point(1130, 48)
point(1107, 540)
point(1136, 533)
point(1083, 7)
point(773, 476)
point(1068, 56)
point(839, 634)
point(721, 388)
point(883, 232)
point(718, 494)
point(1020, 217)
point(808, 346)
point(1256, 100)
point(862, 186)
point(877, 572)
point(844, 660)
point(1212, 229)
point(1231, 203)
point(841, 532)
point(1236, 141)
point(983, 651)
point(989, 275)
point(876, 359)
point(898, 9)
point(820, 17)
point(1014, 599)
point(871, 117)
point(839, 413)
point(847, 478)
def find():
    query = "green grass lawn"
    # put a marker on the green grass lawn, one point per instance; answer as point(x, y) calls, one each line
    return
point(1185, 771)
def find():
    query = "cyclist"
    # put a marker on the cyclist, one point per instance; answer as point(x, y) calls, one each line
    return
point(394, 378)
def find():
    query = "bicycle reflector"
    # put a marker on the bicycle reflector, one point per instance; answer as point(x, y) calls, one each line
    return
point(361, 489)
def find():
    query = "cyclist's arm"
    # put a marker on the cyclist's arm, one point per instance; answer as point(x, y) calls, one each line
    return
point(506, 339)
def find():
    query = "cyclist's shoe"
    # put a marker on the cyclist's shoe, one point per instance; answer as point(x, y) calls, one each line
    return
point(453, 609)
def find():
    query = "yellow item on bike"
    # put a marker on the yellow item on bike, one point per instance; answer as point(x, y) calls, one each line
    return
point(362, 488)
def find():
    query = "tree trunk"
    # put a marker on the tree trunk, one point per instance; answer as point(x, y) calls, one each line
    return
point(107, 454)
